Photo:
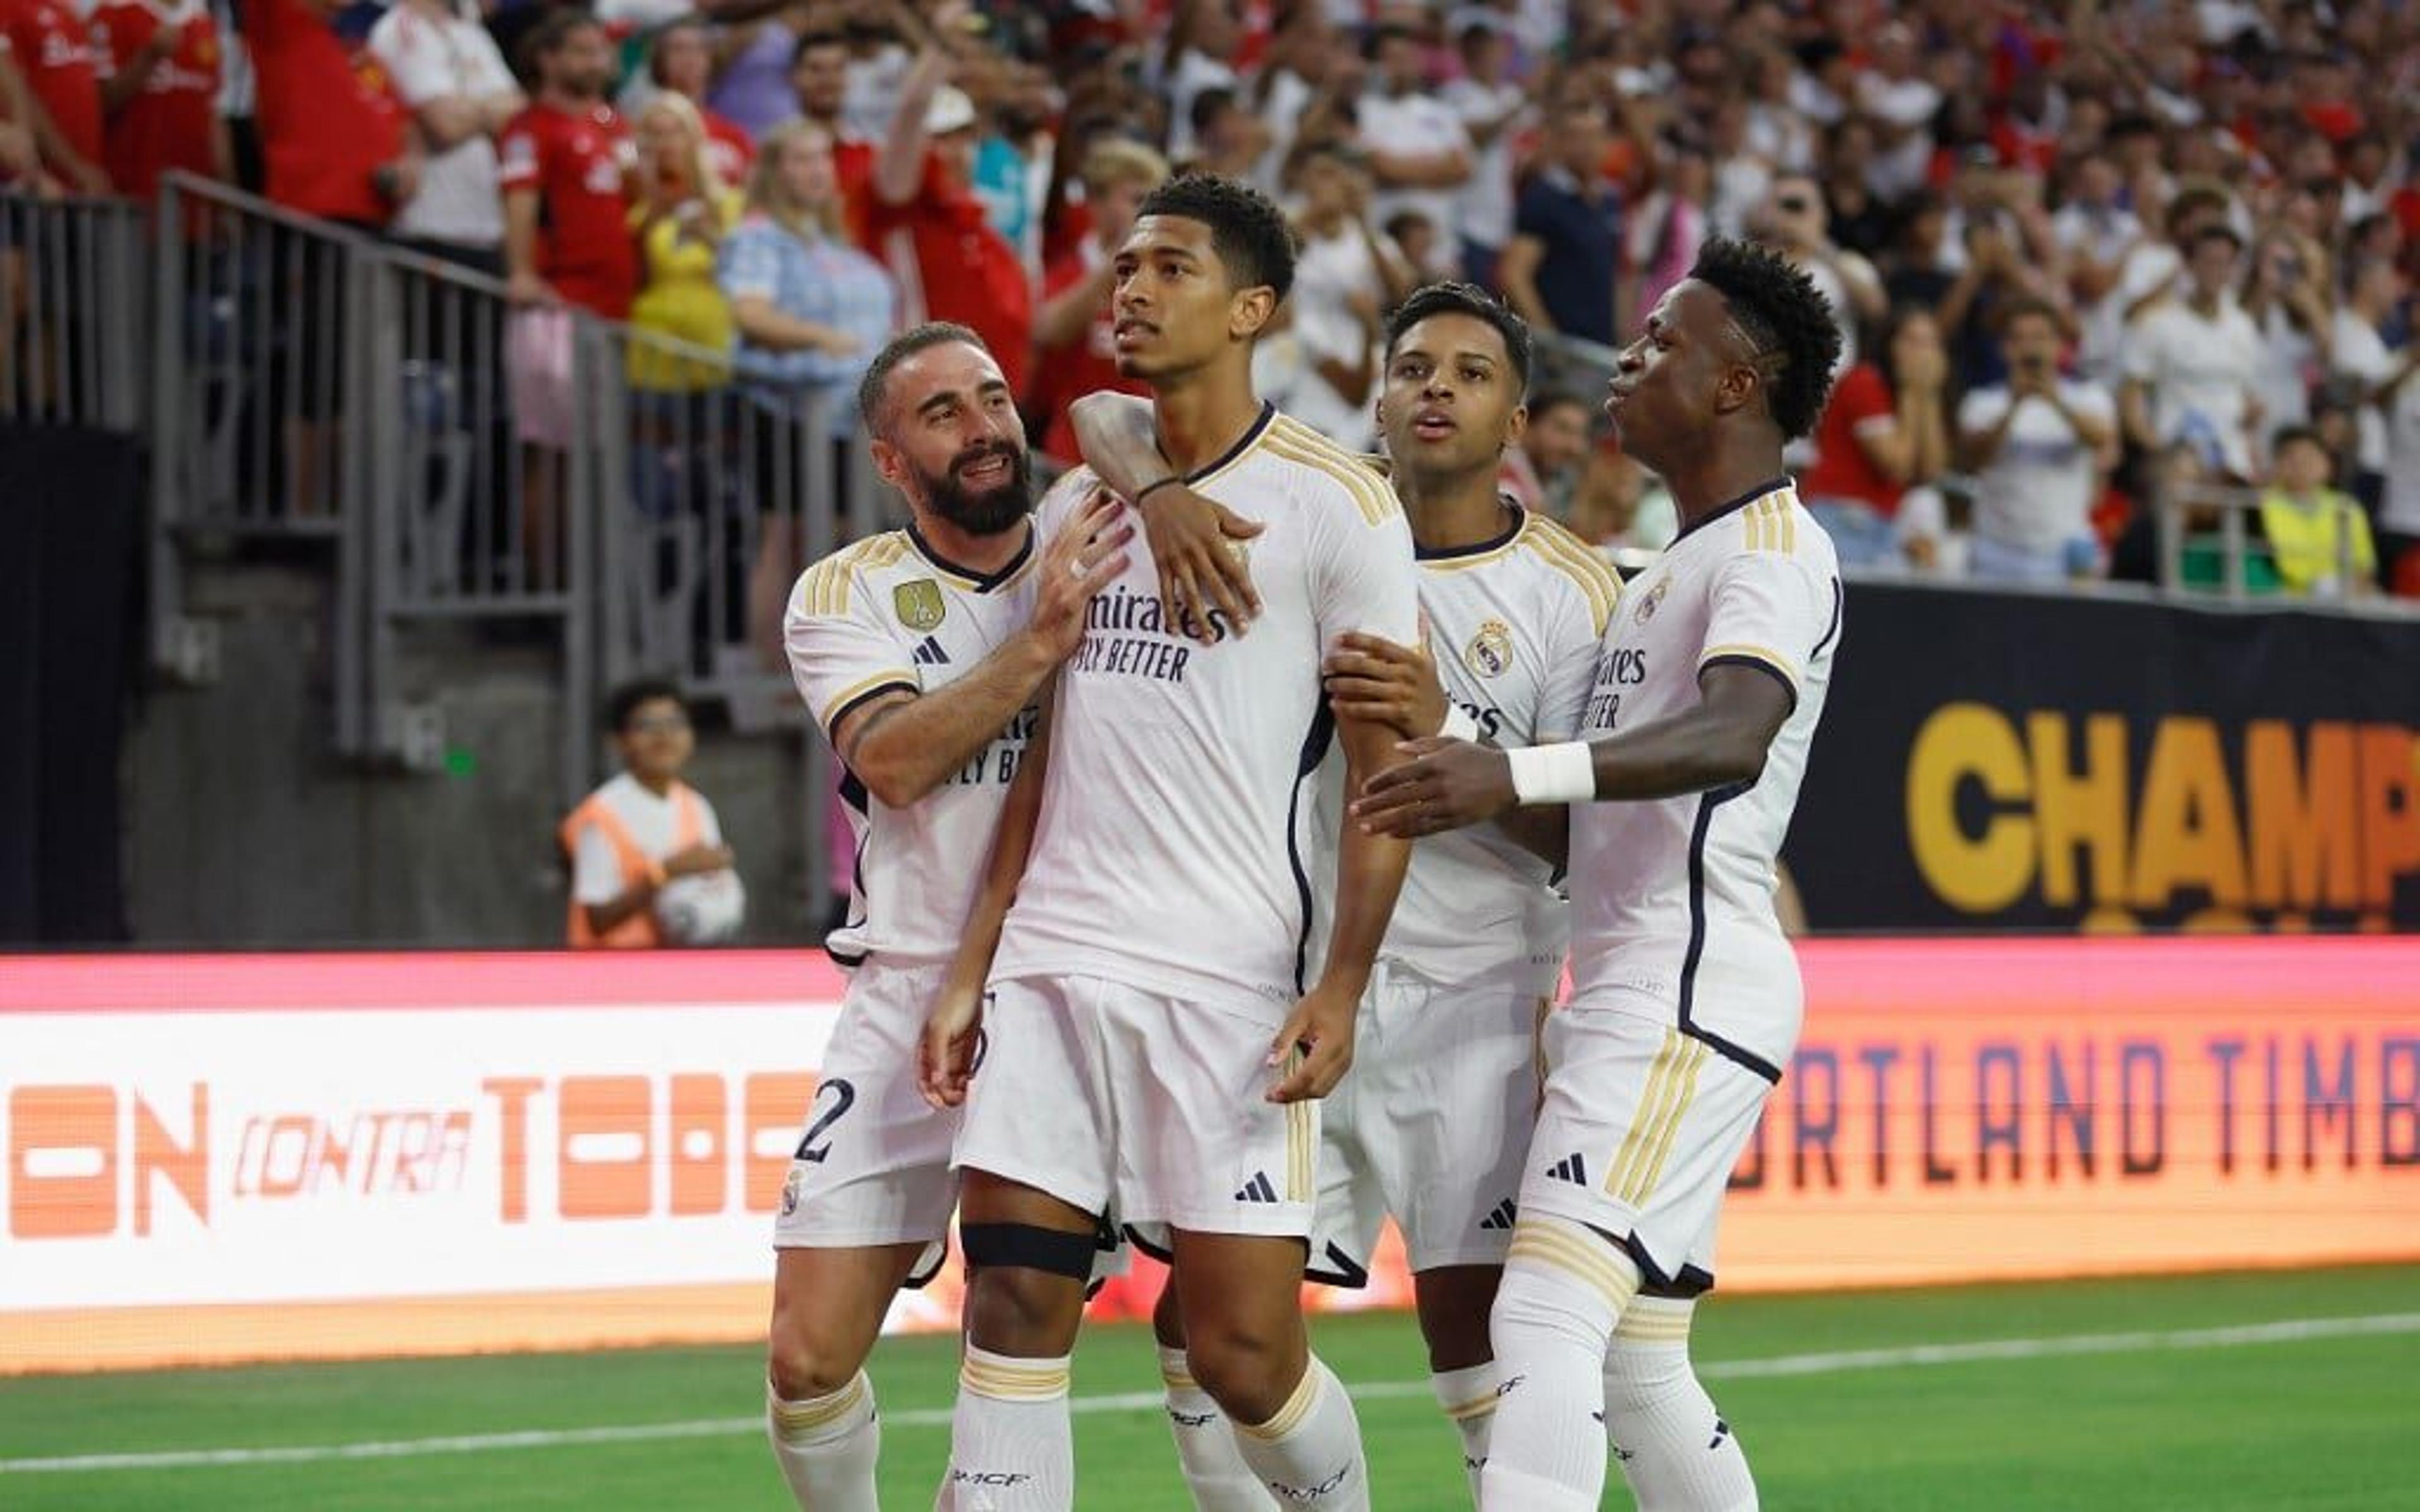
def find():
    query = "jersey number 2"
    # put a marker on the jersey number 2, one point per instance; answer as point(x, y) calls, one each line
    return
point(844, 1098)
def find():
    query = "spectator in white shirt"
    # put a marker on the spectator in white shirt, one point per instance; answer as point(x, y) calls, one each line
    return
point(1490, 103)
point(2360, 358)
point(1901, 103)
point(2287, 296)
point(2039, 448)
point(1418, 148)
point(1200, 39)
point(452, 76)
point(2189, 363)
point(1346, 275)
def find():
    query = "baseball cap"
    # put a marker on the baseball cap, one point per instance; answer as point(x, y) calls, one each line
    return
point(951, 111)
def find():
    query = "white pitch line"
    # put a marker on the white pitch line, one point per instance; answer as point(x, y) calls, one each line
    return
point(1833, 1363)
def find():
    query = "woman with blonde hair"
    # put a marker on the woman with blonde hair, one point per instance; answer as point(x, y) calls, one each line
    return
point(812, 310)
point(680, 214)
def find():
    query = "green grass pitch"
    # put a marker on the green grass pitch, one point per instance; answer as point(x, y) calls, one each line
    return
point(2117, 1396)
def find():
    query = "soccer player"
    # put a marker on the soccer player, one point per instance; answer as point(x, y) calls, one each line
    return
point(1432, 1125)
point(1685, 995)
point(1156, 1028)
point(919, 651)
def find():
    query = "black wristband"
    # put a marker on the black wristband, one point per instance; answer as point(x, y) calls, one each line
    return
point(1174, 479)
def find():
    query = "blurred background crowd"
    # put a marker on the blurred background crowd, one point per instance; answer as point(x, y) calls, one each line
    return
point(2084, 253)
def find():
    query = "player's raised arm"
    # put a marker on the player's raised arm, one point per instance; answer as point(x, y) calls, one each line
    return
point(903, 744)
point(1190, 536)
point(946, 1058)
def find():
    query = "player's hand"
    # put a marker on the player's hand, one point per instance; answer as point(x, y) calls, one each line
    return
point(946, 1056)
point(1375, 681)
point(1082, 559)
point(1198, 545)
point(1318, 1040)
point(697, 860)
point(1445, 785)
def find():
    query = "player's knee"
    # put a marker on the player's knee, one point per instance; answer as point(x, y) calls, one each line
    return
point(1250, 1372)
point(804, 1368)
point(1025, 1291)
point(1454, 1304)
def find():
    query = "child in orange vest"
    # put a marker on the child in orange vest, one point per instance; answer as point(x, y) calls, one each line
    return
point(640, 834)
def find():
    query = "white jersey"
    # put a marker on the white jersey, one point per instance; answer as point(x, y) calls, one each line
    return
point(1172, 850)
point(653, 822)
point(1672, 899)
point(1514, 626)
point(885, 614)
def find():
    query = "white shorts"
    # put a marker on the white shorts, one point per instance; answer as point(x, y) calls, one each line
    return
point(1641, 1128)
point(873, 1164)
point(1430, 1126)
point(1146, 1107)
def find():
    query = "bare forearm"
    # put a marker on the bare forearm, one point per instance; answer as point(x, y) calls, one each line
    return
point(907, 749)
point(128, 82)
point(633, 901)
point(765, 325)
point(1005, 869)
point(1369, 875)
point(1119, 440)
point(521, 232)
point(1063, 320)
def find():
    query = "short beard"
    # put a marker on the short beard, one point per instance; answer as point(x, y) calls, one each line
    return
point(990, 512)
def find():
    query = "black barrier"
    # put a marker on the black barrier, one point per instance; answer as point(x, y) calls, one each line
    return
point(1995, 761)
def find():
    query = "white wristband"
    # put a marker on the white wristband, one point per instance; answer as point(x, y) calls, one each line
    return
point(1458, 724)
point(1561, 772)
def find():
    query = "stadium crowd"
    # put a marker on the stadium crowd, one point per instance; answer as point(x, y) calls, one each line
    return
point(2081, 252)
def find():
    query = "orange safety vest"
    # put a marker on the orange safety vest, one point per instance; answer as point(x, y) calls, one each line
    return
point(639, 931)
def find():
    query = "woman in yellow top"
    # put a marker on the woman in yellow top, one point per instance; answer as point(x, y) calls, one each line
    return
point(681, 216)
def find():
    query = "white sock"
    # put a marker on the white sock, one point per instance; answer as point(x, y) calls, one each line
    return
point(1309, 1454)
point(1214, 1467)
point(827, 1446)
point(1565, 1286)
point(1012, 1446)
point(1468, 1397)
point(1676, 1451)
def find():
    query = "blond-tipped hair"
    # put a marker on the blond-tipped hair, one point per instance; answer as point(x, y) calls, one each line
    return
point(1119, 160)
point(765, 187)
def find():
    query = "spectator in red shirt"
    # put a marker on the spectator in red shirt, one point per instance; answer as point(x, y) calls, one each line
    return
point(923, 221)
point(160, 93)
point(54, 52)
point(681, 60)
point(566, 158)
point(336, 142)
point(1074, 348)
point(819, 73)
point(1884, 429)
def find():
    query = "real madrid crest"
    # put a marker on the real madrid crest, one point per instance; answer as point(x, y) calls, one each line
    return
point(919, 604)
point(1490, 650)
point(1651, 598)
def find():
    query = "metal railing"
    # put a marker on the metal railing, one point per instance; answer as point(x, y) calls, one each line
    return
point(2188, 514)
point(460, 460)
point(73, 324)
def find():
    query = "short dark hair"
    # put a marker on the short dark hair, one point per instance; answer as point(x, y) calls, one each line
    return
point(873, 389)
point(2287, 435)
point(627, 700)
point(2217, 231)
point(1546, 401)
point(2023, 308)
point(1209, 107)
point(547, 37)
point(818, 37)
point(1474, 302)
point(1250, 233)
point(1786, 317)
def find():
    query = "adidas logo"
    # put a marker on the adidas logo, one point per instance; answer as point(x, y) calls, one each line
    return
point(1257, 1188)
point(1570, 1168)
point(929, 654)
point(1722, 1431)
point(1501, 1218)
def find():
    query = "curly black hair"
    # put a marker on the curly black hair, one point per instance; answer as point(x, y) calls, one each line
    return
point(629, 699)
point(1786, 319)
point(1474, 302)
point(1250, 234)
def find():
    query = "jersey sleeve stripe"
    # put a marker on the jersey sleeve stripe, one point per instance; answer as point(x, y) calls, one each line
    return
point(863, 690)
point(1759, 658)
point(1566, 553)
point(1297, 442)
